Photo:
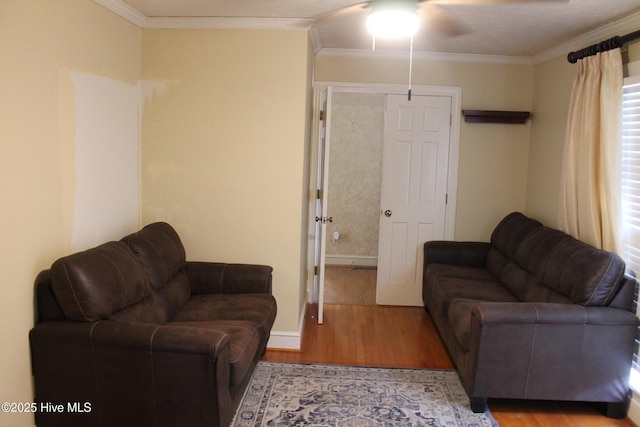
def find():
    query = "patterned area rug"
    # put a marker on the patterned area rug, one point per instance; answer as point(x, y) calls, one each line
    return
point(287, 394)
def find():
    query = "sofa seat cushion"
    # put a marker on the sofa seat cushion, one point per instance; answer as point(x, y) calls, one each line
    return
point(148, 310)
point(257, 308)
point(244, 339)
point(447, 283)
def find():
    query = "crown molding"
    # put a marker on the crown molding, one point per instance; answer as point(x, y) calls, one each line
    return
point(315, 39)
point(124, 10)
point(229, 23)
point(132, 15)
point(620, 27)
point(428, 56)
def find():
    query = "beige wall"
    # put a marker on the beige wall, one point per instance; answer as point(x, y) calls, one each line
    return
point(632, 60)
point(552, 90)
point(493, 161)
point(42, 43)
point(224, 149)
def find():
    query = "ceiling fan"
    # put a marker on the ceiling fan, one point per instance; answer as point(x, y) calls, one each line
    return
point(402, 17)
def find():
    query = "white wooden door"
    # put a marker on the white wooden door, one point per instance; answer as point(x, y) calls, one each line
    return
point(323, 187)
point(414, 192)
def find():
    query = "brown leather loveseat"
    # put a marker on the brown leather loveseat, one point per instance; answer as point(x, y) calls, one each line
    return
point(534, 314)
point(129, 333)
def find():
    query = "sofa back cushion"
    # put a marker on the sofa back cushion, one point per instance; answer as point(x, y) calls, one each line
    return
point(161, 254)
point(540, 264)
point(578, 271)
point(511, 231)
point(105, 282)
point(505, 240)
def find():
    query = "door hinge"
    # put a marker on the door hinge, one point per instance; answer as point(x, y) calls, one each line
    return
point(319, 194)
point(321, 115)
point(315, 270)
point(446, 199)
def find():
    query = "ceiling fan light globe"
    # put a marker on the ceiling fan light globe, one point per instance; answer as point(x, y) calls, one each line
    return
point(392, 23)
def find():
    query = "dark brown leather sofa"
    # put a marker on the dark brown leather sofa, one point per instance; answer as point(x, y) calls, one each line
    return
point(131, 334)
point(534, 314)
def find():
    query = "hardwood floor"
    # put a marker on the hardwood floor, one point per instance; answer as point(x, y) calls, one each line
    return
point(350, 285)
point(368, 335)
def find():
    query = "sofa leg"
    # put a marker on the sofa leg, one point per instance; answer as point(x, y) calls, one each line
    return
point(617, 409)
point(478, 404)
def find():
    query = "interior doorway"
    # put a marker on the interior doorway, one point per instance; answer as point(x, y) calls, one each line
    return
point(353, 197)
point(355, 174)
point(355, 178)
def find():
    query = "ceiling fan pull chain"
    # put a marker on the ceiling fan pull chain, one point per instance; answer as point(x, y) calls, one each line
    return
point(410, 67)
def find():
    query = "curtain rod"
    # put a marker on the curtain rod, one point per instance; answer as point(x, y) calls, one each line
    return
point(612, 43)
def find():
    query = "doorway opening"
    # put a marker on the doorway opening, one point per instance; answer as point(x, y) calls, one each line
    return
point(352, 197)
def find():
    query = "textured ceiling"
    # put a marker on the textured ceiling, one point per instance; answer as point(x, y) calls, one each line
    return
point(523, 29)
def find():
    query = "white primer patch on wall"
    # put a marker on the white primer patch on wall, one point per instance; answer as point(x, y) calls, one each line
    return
point(151, 88)
point(107, 130)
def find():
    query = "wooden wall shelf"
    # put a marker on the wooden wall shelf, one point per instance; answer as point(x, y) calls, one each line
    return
point(487, 116)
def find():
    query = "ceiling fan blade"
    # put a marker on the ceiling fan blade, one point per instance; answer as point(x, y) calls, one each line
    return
point(357, 7)
point(441, 20)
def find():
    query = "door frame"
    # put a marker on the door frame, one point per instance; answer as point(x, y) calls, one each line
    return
point(455, 93)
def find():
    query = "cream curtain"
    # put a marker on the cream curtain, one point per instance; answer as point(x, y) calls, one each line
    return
point(591, 169)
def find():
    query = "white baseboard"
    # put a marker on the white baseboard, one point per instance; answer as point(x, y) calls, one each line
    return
point(284, 340)
point(368, 261)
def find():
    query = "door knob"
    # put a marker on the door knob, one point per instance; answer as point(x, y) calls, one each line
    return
point(324, 219)
point(388, 213)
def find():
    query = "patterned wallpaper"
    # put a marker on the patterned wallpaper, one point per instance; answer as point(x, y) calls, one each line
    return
point(355, 174)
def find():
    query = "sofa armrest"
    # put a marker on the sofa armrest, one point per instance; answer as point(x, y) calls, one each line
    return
point(550, 351)
point(549, 313)
point(470, 254)
point(129, 374)
point(212, 278)
point(132, 337)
